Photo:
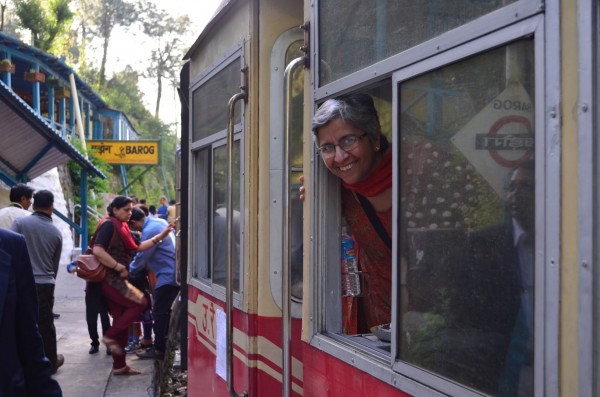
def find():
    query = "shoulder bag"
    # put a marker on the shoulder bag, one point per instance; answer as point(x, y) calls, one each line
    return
point(88, 267)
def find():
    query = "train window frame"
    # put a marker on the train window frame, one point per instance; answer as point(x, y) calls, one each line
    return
point(276, 128)
point(479, 27)
point(201, 154)
point(391, 369)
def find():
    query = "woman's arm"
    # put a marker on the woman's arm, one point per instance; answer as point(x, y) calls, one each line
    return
point(108, 261)
point(151, 242)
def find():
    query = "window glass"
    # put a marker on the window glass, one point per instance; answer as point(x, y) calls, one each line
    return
point(354, 34)
point(210, 102)
point(108, 127)
point(199, 212)
point(467, 205)
point(219, 216)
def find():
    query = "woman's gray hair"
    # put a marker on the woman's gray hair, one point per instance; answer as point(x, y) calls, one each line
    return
point(356, 109)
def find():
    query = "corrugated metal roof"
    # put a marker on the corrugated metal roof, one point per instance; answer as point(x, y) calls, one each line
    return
point(29, 146)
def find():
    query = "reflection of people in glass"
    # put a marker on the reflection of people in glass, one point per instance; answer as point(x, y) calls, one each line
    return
point(348, 134)
point(502, 269)
point(220, 242)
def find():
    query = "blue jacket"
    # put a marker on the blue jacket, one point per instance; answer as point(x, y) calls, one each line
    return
point(24, 370)
point(160, 258)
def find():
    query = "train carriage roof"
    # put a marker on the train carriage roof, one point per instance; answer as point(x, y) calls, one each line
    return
point(219, 13)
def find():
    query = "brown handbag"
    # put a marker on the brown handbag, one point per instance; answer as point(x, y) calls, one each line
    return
point(88, 266)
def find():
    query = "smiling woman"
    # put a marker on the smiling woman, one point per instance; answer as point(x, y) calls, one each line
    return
point(353, 148)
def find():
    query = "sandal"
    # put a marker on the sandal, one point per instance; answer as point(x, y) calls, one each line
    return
point(114, 347)
point(125, 371)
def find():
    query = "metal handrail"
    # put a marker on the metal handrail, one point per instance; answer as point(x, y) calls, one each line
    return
point(229, 285)
point(286, 290)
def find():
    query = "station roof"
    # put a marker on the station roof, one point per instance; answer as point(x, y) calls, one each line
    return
point(29, 146)
point(25, 55)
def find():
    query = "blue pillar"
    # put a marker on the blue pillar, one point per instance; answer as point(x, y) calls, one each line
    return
point(51, 106)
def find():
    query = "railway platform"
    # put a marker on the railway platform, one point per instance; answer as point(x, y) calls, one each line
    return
point(85, 374)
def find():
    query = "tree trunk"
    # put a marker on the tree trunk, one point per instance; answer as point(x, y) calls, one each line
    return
point(103, 64)
point(158, 95)
point(2, 12)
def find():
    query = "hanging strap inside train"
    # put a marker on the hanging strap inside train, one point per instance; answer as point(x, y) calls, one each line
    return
point(375, 221)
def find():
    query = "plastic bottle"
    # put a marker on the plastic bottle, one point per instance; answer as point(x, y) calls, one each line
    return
point(350, 273)
point(71, 266)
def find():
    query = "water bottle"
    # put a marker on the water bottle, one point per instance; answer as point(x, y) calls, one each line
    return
point(71, 266)
point(350, 273)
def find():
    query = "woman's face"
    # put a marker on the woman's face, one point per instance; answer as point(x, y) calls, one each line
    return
point(124, 213)
point(354, 165)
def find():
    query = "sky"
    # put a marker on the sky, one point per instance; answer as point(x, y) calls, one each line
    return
point(130, 47)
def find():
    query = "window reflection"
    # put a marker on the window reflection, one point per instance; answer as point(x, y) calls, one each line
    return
point(467, 227)
point(355, 34)
point(219, 217)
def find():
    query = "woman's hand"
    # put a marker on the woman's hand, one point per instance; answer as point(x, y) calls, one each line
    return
point(122, 270)
point(301, 190)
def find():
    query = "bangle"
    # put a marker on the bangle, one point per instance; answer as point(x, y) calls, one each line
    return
point(116, 264)
point(155, 241)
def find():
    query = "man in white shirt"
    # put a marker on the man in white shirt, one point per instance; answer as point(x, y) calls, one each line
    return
point(20, 201)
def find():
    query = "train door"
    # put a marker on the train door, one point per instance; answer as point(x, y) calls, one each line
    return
point(216, 191)
point(466, 303)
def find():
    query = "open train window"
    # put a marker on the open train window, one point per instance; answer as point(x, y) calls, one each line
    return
point(210, 95)
point(466, 286)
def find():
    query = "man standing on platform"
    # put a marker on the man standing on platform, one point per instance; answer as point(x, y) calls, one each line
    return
point(44, 241)
point(162, 210)
point(20, 201)
point(159, 259)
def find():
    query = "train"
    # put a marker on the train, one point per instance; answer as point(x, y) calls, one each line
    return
point(471, 96)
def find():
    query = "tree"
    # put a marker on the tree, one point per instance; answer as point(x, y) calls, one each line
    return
point(166, 58)
point(122, 92)
point(102, 17)
point(46, 20)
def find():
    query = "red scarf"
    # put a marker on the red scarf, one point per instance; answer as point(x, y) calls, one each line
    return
point(123, 229)
point(379, 180)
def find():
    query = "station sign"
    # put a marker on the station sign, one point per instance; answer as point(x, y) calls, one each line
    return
point(500, 137)
point(126, 152)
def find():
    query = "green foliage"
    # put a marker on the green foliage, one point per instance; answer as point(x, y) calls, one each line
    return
point(46, 20)
point(122, 92)
point(94, 184)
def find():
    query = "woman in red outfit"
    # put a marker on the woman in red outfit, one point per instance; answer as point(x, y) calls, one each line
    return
point(350, 142)
point(114, 247)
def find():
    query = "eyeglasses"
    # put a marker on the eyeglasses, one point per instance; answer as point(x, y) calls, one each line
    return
point(347, 143)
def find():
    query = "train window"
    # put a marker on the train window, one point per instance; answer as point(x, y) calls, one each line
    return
point(467, 221)
point(356, 34)
point(209, 169)
point(210, 102)
point(219, 217)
